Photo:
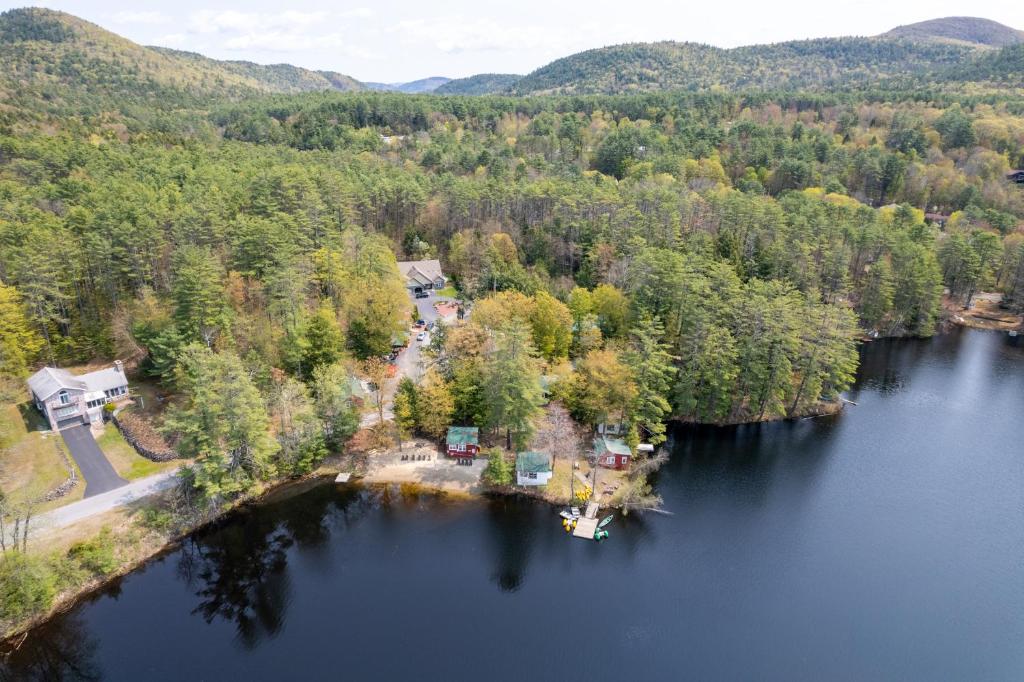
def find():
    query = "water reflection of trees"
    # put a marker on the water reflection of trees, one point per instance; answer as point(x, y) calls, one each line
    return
point(239, 575)
point(59, 650)
point(240, 570)
point(744, 460)
point(510, 535)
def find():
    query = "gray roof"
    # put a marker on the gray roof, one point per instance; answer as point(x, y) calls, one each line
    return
point(421, 271)
point(104, 379)
point(49, 380)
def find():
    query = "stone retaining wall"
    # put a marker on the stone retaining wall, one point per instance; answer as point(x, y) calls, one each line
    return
point(65, 487)
point(153, 455)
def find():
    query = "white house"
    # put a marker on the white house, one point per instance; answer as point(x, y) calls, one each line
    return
point(69, 400)
point(533, 468)
point(422, 275)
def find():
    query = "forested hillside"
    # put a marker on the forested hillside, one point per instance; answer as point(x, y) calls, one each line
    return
point(480, 84)
point(821, 63)
point(57, 65)
point(960, 29)
point(272, 77)
point(711, 257)
point(1003, 68)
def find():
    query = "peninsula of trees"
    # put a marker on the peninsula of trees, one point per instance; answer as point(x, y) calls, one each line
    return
point(711, 257)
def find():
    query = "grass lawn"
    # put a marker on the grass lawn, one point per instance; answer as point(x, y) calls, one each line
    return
point(448, 291)
point(128, 463)
point(557, 489)
point(30, 463)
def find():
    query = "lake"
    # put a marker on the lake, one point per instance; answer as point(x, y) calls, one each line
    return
point(886, 542)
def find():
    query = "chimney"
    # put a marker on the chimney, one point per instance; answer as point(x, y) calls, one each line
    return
point(119, 366)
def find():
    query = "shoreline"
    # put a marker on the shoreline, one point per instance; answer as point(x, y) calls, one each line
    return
point(323, 475)
point(148, 549)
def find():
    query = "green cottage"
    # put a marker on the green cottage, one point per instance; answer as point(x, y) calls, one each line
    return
point(533, 468)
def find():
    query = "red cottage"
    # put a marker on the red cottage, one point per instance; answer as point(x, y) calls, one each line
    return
point(463, 442)
point(612, 453)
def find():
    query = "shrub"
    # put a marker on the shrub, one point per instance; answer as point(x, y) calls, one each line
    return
point(97, 555)
point(27, 586)
point(158, 520)
point(499, 470)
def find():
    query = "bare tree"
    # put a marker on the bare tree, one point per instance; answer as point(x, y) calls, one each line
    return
point(4, 511)
point(559, 435)
point(642, 467)
point(378, 373)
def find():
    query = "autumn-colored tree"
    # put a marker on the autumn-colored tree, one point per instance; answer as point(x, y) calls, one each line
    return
point(602, 388)
point(19, 342)
point(435, 405)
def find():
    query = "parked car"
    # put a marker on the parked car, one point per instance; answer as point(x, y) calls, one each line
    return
point(422, 294)
point(421, 336)
point(420, 323)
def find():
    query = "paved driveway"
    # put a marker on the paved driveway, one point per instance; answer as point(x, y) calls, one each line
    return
point(409, 360)
point(99, 475)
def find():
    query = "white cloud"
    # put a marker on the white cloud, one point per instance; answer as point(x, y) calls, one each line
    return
point(171, 40)
point(287, 31)
point(356, 13)
point(284, 41)
point(150, 18)
point(213, 21)
point(456, 34)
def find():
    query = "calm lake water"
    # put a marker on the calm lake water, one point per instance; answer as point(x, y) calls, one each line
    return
point(884, 543)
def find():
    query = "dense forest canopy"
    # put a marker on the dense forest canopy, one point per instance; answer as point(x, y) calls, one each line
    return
point(710, 256)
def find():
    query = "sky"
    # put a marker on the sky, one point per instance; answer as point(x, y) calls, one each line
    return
point(403, 40)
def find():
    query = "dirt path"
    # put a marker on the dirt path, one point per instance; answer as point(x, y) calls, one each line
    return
point(984, 313)
point(431, 469)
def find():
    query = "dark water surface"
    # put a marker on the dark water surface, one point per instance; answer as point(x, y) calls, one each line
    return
point(885, 543)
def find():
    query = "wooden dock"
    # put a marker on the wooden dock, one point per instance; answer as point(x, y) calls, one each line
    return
point(587, 525)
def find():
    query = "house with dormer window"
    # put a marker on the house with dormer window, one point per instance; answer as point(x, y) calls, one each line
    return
point(422, 275)
point(69, 400)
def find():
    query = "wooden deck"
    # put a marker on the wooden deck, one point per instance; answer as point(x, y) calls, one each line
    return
point(587, 525)
point(585, 528)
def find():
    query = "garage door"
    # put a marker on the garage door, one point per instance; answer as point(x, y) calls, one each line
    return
point(70, 421)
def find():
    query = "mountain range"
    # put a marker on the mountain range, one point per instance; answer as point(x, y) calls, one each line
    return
point(56, 58)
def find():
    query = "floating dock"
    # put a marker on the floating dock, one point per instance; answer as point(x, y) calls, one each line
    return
point(587, 525)
point(343, 477)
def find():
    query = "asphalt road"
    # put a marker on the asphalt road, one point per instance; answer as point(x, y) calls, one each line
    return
point(98, 504)
point(409, 361)
point(96, 469)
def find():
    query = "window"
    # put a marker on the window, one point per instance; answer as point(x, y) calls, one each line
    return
point(63, 395)
point(532, 474)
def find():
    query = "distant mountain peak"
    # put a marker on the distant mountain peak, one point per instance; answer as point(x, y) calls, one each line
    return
point(412, 87)
point(961, 29)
